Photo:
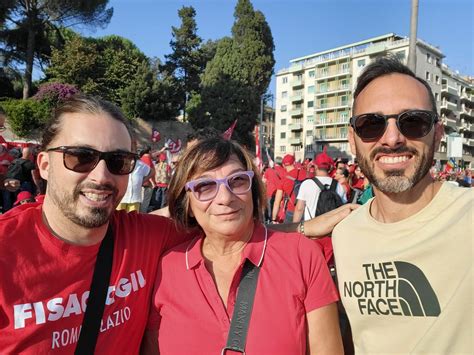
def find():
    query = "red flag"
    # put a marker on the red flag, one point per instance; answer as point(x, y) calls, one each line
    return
point(228, 133)
point(155, 135)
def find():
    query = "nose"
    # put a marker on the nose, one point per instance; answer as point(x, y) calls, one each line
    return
point(392, 137)
point(101, 174)
point(224, 195)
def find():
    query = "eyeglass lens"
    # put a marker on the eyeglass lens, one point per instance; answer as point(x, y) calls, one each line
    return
point(207, 189)
point(416, 124)
point(83, 160)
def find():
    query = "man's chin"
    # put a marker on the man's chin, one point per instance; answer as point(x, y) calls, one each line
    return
point(93, 218)
point(393, 184)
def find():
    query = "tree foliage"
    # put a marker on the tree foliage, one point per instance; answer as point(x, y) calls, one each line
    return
point(26, 116)
point(237, 76)
point(102, 67)
point(28, 29)
point(152, 95)
point(185, 60)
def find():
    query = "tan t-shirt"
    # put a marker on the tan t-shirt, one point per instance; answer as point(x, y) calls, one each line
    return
point(407, 287)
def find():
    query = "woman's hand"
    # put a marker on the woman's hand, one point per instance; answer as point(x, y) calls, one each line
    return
point(324, 224)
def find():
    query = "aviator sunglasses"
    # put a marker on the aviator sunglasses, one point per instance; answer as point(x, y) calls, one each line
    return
point(412, 124)
point(84, 160)
point(206, 189)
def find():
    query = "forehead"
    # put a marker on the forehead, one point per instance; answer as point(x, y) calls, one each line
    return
point(230, 165)
point(393, 93)
point(99, 131)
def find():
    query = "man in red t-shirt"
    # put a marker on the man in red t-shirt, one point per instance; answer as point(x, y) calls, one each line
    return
point(48, 251)
point(284, 205)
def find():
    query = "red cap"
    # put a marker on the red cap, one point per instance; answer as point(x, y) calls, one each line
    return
point(288, 159)
point(162, 157)
point(23, 195)
point(324, 161)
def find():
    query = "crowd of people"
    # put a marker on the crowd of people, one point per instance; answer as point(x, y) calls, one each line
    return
point(234, 267)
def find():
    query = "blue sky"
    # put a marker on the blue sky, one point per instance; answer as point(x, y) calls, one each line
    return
point(302, 27)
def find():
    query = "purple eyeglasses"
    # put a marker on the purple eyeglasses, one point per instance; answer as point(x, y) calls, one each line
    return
point(206, 189)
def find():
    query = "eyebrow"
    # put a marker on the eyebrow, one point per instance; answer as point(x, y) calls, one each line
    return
point(232, 172)
point(91, 147)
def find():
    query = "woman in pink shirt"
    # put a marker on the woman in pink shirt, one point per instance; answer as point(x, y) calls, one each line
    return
point(217, 192)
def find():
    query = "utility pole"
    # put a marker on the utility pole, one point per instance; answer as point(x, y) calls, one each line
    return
point(413, 30)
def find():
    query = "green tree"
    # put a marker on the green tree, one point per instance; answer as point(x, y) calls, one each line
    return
point(28, 27)
point(103, 67)
point(237, 76)
point(185, 61)
point(151, 95)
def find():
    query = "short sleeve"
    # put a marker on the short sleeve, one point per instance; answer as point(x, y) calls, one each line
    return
point(320, 288)
point(303, 191)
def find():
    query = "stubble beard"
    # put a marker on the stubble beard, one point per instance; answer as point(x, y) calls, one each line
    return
point(67, 205)
point(395, 181)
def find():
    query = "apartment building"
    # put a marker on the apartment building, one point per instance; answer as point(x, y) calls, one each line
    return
point(314, 96)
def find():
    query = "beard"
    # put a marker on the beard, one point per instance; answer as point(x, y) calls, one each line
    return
point(395, 181)
point(67, 204)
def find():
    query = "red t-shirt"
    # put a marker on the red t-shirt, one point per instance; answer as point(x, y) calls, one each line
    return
point(293, 281)
point(45, 283)
point(287, 184)
point(272, 181)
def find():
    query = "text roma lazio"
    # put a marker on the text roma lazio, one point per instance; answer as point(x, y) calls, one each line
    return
point(393, 288)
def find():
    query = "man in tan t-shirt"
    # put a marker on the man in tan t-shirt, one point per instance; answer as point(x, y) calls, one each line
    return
point(404, 259)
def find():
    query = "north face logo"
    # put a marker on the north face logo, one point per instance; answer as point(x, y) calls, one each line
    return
point(393, 288)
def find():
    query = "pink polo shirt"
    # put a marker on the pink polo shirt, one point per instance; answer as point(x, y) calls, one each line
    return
point(191, 318)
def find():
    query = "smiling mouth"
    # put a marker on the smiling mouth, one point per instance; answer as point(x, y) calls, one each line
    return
point(95, 197)
point(394, 160)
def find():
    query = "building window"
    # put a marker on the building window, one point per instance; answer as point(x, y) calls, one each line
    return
point(283, 108)
point(361, 63)
point(323, 103)
point(344, 115)
point(311, 74)
point(437, 79)
point(344, 84)
point(311, 89)
point(310, 104)
point(283, 122)
point(284, 94)
point(344, 100)
point(345, 67)
point(283, 135)
point(310, 119)
point(284, 80)
point(309, 133)
point(436, 97)
point(324, 71)
point(309, 148)
point(429, 59)
point(283, 148)
point(427, 76)
point(323, 87)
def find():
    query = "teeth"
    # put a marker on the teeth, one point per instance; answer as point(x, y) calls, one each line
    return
point(393, 160)
point(95, 197)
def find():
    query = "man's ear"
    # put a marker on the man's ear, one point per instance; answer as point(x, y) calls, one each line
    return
point(438, 134)
point(351, 138)
point(43, 164)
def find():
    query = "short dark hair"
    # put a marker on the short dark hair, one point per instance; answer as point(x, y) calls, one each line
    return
point(206, 155)
point(81, 104)
point(344, 172)
point(385, 65)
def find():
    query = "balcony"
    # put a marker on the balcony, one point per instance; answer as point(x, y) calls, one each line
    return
point(322, 137)
point(297, 82)
point(334, 122)
point(467, 111)
point(329, 91)
point(295, 141)
point(297, 112)
point(295, 126)
point(449, 90)
point(296, 97)
point(334, 73)
point(448, 105)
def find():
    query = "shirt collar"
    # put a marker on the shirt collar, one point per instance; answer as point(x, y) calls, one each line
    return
point(254, 250)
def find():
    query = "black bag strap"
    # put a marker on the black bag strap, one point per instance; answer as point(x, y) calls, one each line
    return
point(319, 183)
point(97, 296)
point(333, 185)
point(239, 325)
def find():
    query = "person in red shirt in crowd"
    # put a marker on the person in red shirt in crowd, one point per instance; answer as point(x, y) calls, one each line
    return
point(356, 177)
point(284, 205)
point(272, 182)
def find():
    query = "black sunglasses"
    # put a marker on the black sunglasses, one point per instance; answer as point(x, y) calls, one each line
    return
point(84, 160)
point(412, 124)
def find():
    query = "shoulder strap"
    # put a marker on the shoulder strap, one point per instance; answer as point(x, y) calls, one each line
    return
point(239, 325)
point(319, 183)
point(333, 185)
point(97, 296)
